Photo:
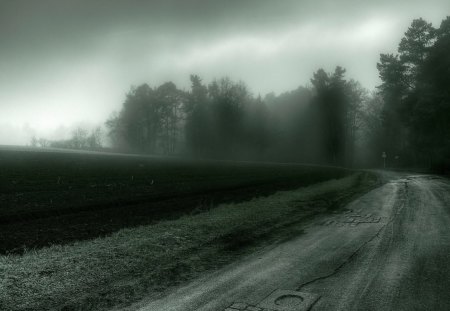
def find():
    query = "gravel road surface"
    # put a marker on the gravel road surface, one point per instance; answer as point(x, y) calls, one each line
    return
point(388, 250)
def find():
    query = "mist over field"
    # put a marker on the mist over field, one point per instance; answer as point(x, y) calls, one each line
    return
point(71, 65)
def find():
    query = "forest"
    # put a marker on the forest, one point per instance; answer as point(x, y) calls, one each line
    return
point(333, 120)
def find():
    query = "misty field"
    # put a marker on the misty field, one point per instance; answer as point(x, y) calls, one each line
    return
point(55, 198)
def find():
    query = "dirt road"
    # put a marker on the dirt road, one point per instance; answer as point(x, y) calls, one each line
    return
point(390, 250)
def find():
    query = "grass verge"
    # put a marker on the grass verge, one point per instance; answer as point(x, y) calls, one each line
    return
point(120, 269)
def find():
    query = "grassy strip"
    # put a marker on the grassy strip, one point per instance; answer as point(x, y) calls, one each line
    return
point(133, 263)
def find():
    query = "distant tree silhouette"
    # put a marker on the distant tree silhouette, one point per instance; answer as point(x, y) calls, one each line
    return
point(34, 141)
point(198, 123)
point(356, 98)
point(292, 126)
point(228, 101)
point(80, 138)
point(43, 143)
point(332, 101)
point(95, 138)
point(150, 119)
point(168, 104)
point(255, 129)
point(393, 88)
point(224, 120)
point(371, 131)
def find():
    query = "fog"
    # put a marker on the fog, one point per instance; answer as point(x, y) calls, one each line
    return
point(287, 154)
point(66, 62)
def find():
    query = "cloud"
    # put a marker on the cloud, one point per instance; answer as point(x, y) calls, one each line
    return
point(69, 61)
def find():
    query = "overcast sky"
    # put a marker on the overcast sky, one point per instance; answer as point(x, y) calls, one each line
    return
point(66, 62)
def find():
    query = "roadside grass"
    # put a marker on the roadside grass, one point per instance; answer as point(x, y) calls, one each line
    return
point(131, 264)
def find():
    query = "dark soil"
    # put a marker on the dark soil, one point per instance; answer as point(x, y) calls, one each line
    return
point(55, 198)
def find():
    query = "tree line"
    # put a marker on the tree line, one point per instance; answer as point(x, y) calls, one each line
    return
point(223, 119)
point(334, 120)
point(81, 138)
point(415, 94)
